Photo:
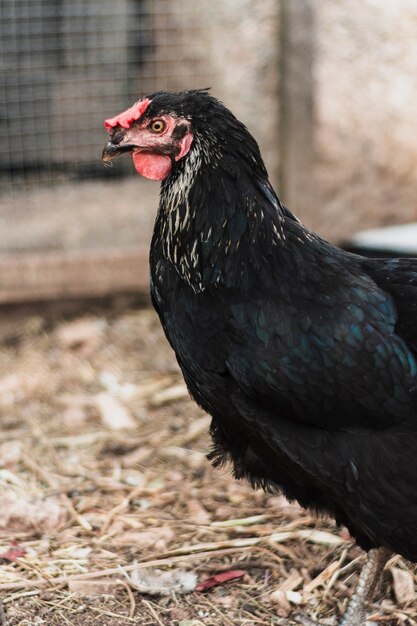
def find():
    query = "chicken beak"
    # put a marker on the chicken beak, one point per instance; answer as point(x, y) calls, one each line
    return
point(110, 152)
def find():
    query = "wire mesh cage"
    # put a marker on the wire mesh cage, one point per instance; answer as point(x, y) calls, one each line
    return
point(67, 65)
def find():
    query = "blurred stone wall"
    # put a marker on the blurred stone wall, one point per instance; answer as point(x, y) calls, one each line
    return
point(244, 52)
point(232, 47)
point(366, 113)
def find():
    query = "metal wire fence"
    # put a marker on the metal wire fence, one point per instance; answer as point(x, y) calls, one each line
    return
point(67, 65)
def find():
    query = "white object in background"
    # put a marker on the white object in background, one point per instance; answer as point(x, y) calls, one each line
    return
point(399, 239)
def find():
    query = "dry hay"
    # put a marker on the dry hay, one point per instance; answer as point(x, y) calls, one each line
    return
point(103, 476)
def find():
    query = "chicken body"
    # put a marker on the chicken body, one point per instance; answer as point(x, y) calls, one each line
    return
point(303, 354)
point(310, 385)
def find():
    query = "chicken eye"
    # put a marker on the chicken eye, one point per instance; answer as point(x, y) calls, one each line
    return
point(157, 126)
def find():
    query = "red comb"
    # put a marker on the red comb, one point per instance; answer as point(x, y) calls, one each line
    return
point(127, 117)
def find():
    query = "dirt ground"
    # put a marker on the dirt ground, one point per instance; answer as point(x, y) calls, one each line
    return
point(104, 485)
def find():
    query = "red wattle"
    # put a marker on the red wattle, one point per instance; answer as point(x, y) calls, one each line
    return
point(151, 165)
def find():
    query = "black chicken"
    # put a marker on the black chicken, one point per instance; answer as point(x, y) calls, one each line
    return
point(304, 354)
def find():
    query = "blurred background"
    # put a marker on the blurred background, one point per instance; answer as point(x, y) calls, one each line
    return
point(102, 453)
point(328, 89)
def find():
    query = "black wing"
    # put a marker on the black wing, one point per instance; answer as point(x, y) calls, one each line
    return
point(333, 347)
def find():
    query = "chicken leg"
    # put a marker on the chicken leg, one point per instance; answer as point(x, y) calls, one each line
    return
point(368, 580)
